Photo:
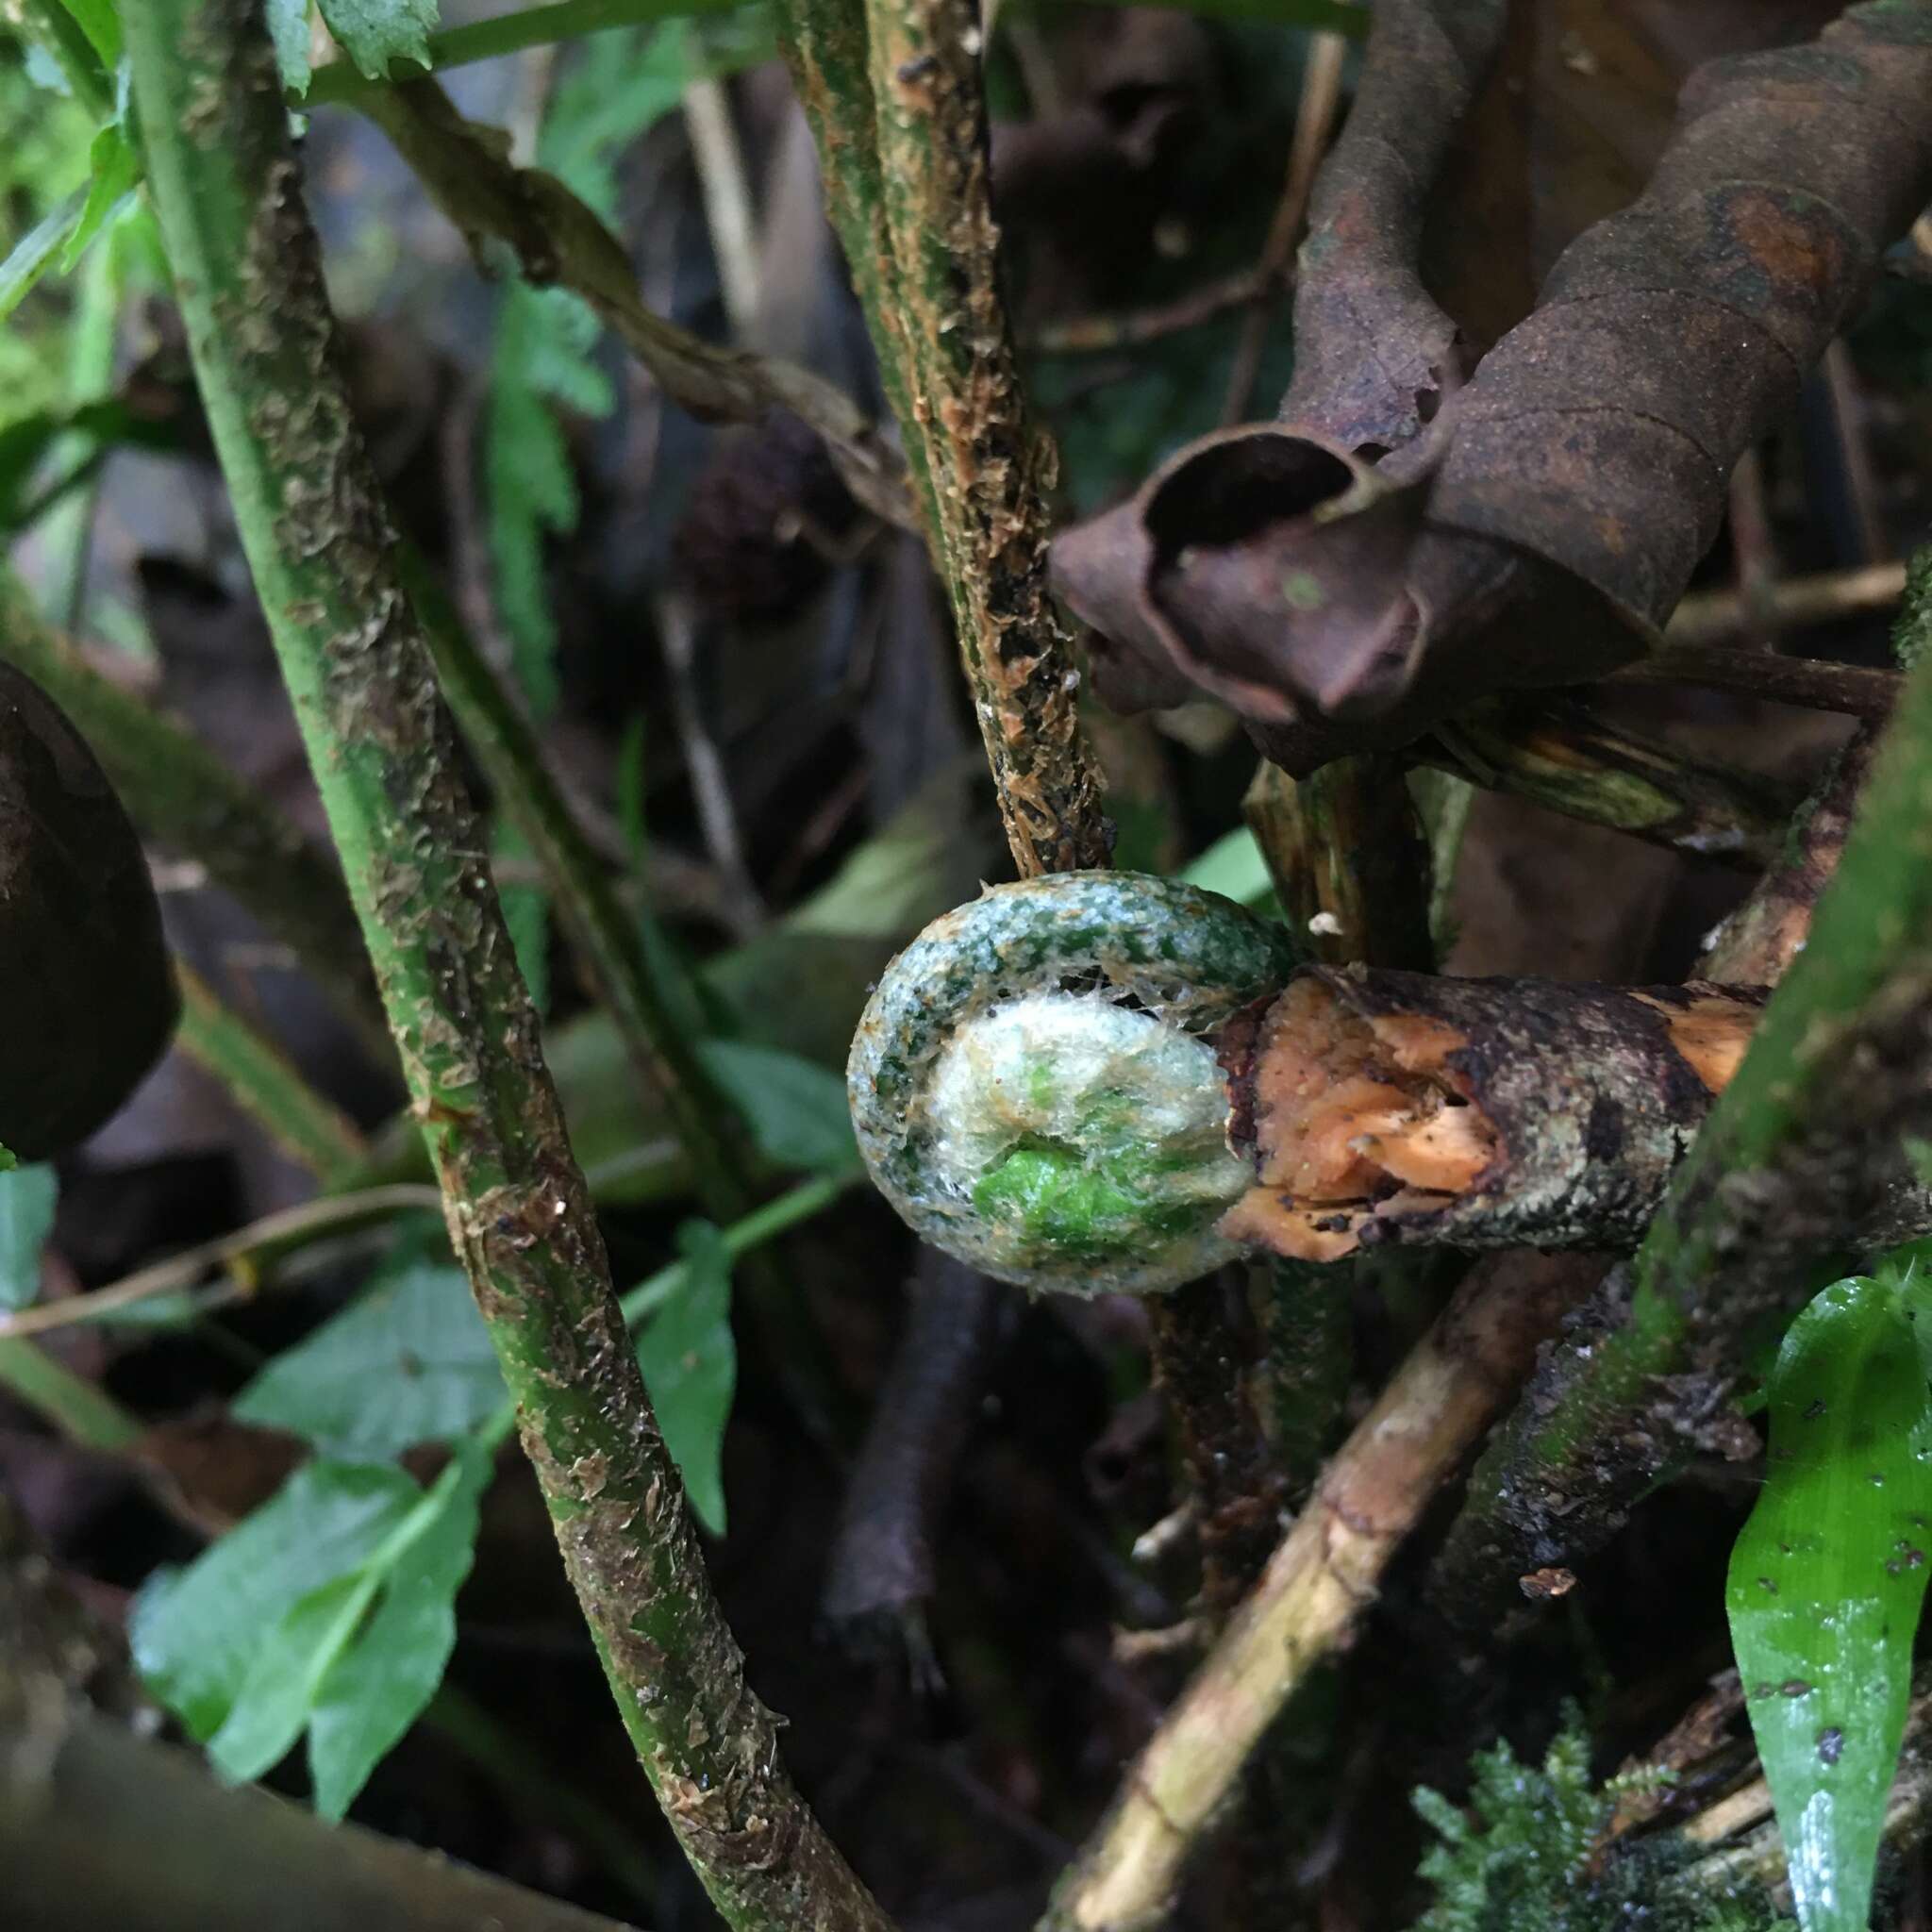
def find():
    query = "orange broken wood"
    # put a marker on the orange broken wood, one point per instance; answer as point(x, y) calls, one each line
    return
point(1382, 1107)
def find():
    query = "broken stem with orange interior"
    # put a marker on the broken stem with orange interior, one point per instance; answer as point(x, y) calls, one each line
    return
point(1107, 1081)
point(1327, 1571)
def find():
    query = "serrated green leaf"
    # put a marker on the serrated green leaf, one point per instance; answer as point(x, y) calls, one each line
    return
point(116, 170)
point(797, 1110)
point(374, 33)
point(1825, 1586)
point(380, 1686)
point(288, 27)
point(28, 1196)
point(605, 101)
point(691, 1368)
point(195, 1634)
point(408, 1361)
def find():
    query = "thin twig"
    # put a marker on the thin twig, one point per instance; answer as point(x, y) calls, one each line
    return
point(1315, 1588)
point(557, 239)
point(1814, 684)
point(710, 788)
point(718, 159)
point(249, 1253)
point(1314, 123)
point(1085, 335)
point(81, 1411)
point(1717, 616)
point(223, 179)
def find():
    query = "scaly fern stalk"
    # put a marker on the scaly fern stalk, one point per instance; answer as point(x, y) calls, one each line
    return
point(320, 542)
point(910, 197)
point(607, 939)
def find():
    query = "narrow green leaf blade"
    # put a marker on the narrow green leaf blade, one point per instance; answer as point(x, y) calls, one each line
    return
point(690, 1367)
point(28, 1199)
point(31, 256)
point(196, 1634)
point(1825, 1586)
point(98, 21)
point(408, 1361)
point(381, 1684)
point(116, 168)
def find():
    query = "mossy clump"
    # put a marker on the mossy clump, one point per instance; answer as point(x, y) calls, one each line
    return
point(1519, 1856)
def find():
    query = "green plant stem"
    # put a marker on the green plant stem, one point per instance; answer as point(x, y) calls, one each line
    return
point(83, 1412)
point(1806, 1145)
point(608, 941)
point(343, 81)
point(262, 1080)
point(568, 20)
point(183, 796)
point(740, 1239)
point(223, 175)
point(892, 91)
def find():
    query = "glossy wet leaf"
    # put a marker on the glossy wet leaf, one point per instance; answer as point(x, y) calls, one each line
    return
point(690, 1367)
point(1827, 1582)
point(27, 1198)
point(408, 1361)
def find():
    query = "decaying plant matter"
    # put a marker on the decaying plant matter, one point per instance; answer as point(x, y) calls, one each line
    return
point(1807, 1149)
point(1327, 1573)
point(1388, 1107)
point(1542, 528)
point(1375, 355)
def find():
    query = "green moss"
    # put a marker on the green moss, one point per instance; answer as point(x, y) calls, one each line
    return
point(1518, 1858)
